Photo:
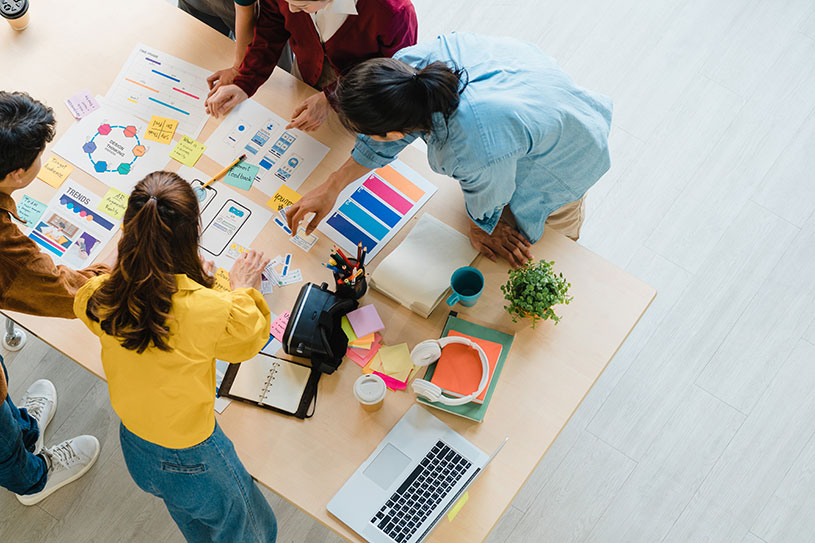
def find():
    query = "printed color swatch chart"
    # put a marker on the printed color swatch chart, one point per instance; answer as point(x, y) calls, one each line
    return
point(71, 230)
point(376, 206)
point(154, 83)
point(283, 156)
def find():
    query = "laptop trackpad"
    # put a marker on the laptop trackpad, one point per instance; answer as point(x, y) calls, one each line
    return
point(387, 465)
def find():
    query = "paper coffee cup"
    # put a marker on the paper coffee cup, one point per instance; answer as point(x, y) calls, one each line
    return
point(16, 13)
point(370, 391)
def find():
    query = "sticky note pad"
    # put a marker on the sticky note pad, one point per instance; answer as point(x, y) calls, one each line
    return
point(188, 151)
point(346, 327)
point(114, 203)
point(365, 320)
point(241, 175)
point(30, 210)
point(451, 514)
point(82, 103)
point(364, 341)
point(396, 361)
point(160, 130)
point(283, 198)
point(362, 356)
point(222, 281)
point(55, 171)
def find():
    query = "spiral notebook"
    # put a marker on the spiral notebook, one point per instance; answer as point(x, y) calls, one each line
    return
point(273, 383)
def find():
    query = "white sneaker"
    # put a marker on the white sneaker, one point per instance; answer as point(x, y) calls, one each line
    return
point(40, 400)
point(67, 462)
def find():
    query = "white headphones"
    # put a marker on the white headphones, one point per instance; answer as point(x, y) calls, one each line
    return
point(427, 352)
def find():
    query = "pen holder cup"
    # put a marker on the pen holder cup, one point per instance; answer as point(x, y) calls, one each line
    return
point(355, 290)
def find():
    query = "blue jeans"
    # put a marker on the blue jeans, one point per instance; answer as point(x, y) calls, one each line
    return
point(20, 471)
point(206, 489)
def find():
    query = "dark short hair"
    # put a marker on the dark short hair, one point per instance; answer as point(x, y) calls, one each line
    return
point(26, 125)
point(384, 95)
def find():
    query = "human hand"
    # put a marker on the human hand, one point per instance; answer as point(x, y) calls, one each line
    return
point(245, 273)
point(208, 266)
point(319, 201)
point(310, 114)
point(221, 78)
point(224, 99)
point(505, 241)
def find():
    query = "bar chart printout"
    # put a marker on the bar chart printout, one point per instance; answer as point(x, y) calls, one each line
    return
point(375, 207)
point(152, 82)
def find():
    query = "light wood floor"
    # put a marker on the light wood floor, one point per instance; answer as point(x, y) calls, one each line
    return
point(700, 430)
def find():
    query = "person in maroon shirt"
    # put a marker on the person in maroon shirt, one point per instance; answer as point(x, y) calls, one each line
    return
point(322, 49)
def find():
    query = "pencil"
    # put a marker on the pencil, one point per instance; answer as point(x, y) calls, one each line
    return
point(339, 251)
point(223, 172)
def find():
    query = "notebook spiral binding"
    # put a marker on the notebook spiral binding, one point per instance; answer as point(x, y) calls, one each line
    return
point(268, 384)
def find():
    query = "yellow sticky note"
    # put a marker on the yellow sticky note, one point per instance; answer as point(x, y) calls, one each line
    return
point(114, 203)
point(188, 151)
point(222, 281)
point(55, 171)
point(451, 514)
point(346, 327)
point(396, 361)
point(374, 364)
point(284, 197)
point(160, 129)
point(363, 342)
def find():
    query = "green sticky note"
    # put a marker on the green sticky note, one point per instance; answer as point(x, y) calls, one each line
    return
point(30, 210)
point(346, 327)
point(114, 203)
point(188, 151)
point(241, 175)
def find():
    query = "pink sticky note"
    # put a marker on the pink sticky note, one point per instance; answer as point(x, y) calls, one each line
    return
point(362, 358)
point(279, 325)
point(365, 320)
point(392, 383)
point(82, 103)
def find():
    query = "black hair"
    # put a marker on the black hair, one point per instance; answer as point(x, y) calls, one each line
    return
point(384, 95)
point(26, 125)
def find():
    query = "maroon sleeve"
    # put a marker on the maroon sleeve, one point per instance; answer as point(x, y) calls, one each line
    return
point(399, 30)
point(263, 53)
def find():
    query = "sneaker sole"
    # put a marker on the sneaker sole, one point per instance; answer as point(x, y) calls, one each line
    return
point(41, 438)
point(37, 498)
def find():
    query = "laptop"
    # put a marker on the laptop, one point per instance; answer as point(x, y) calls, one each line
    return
point(415, 475)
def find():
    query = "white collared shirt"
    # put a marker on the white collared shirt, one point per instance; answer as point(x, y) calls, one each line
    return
point(329, 19)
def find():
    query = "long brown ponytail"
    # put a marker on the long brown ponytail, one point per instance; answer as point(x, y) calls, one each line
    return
point(159, 239)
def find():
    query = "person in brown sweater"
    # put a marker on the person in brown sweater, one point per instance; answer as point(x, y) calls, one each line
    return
point(31, 283)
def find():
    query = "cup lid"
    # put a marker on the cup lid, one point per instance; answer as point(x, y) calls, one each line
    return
point(11, 9)
point(370, 389)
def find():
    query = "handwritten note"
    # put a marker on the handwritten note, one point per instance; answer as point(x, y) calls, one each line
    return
point(283, 198)
point(279, 325)
point(222, 281)
point(161, 130)
point(30, 210)
point(55, 171)
point(188, 151)
point(241, 175)
point(114, 203)
point(81, 103)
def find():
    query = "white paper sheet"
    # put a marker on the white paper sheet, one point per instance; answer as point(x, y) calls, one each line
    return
point(372, 209)
point(71, 230)
point(230, 221)
point(284, 156)
point(109, 144)
point(152, 82)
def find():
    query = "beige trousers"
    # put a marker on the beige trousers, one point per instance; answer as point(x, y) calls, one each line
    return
point(568, 219)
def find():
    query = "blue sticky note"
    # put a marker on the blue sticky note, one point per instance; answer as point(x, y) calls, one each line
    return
point(30, 210)
point(241, 175)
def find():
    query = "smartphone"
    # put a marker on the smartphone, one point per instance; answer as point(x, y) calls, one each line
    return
point(223, 227)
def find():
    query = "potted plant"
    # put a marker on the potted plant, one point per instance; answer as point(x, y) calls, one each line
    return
point(533, 290)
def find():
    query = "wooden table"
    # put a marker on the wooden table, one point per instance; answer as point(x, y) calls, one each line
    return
point(72, 46)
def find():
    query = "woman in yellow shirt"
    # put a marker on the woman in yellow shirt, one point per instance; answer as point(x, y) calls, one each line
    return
point(162, 326)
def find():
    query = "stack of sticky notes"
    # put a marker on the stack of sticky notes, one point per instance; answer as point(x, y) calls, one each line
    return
point(393, 364)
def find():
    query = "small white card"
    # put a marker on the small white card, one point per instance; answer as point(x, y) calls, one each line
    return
point(81, 104)
point(303, 240)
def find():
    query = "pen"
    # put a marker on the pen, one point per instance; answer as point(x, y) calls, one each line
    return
point(223, 172)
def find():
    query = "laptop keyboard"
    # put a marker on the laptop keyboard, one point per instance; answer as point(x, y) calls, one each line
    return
point(421, 492)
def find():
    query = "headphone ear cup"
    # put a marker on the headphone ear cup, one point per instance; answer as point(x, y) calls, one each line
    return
point(427, 389)
point(425, 353)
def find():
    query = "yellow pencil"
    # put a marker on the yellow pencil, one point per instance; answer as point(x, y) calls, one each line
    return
point(223, 172)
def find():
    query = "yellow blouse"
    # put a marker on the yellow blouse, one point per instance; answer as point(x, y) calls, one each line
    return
point(168, 397)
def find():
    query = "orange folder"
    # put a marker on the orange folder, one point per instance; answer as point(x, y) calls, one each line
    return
point(458, 371)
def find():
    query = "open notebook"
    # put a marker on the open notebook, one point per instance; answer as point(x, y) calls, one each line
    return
point(417, 273)
point(273, 383)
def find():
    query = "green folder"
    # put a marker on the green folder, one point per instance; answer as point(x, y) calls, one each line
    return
point(472, 410)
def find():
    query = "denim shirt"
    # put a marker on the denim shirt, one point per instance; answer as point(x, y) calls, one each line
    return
point(523, 135)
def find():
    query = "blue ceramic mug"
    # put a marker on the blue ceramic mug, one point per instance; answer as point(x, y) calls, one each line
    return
point(467, 284)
